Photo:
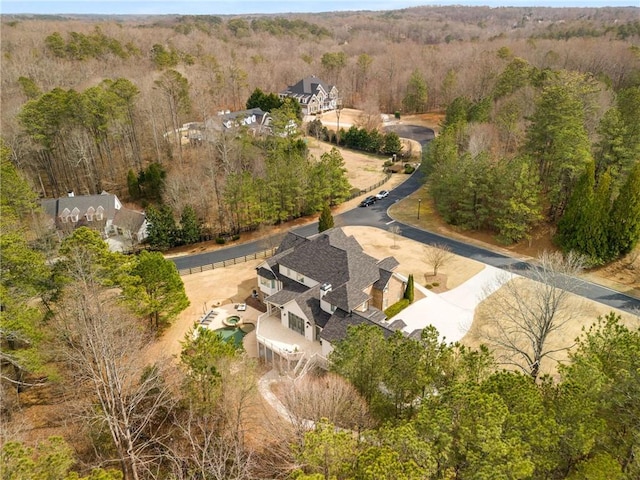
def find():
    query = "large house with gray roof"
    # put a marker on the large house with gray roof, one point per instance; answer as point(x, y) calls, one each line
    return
point(315, 288)
point(103, 212)
point(313, 95)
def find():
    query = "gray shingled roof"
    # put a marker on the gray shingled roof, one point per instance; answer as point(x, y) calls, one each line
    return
point(291, 240)
point(389, 264)
point(55, 206)
point(129, 219)
point(266, 273)
point(385, 276)
point(336, 328)
point(332, 257)
point(397, 325)
point(307, 86)
point(290, 290)
point(346, 297)
point(309, 302)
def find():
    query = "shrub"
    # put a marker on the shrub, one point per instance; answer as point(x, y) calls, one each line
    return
point(436, 284)
point(236, 237)
point(409, 169)
point(428, 286)
point(397, 307)
point(396, 114)
point(220, 240)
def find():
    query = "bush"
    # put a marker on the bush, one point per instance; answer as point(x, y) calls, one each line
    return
point(397, 307)
point(409, 169)
point(397, 114)
point(436, 284)
point(428, 286)
point(236, 237)
point(387, 163)
point(220, 240)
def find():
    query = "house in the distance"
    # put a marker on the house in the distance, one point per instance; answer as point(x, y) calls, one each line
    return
point(255, 121)
point(313, 95)
point(315, 288)
point(103, 213)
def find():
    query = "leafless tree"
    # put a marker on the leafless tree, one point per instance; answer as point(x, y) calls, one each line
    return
point(329, 396)
point(395, 230)
point(528, 314)
point(101, 344)
point(199, 449)
point(438, 255)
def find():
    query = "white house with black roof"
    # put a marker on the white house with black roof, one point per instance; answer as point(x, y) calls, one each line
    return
point(315, 288)
point(313, 95)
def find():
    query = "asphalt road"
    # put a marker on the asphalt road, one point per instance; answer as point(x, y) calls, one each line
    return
point(376, 216)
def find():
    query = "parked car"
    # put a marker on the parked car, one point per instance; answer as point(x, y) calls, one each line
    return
point(382, 194)
point(367, 202)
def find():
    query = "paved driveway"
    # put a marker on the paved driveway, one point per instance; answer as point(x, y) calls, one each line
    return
point(452, 312)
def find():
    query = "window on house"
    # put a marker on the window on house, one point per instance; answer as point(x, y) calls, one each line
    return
point(99, 213)
point(90, 213)
point(301, 278)
point(296, 323)
point(317, 333)
point(75, 213)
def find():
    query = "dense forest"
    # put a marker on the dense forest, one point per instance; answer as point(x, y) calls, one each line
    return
point(542, 116)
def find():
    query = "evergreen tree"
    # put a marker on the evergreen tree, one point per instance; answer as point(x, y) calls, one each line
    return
point(155, 289)
point(624, 227)
point(161, 230)
point(409, 289)
point(576, 223)
point(326, 219)
point(392, 144)
point(132, 185)
point(415, 99)
point(557, 139)
point(265, 101)
point(190, 230)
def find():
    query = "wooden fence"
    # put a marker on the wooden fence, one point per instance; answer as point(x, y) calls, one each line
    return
point(226, 263)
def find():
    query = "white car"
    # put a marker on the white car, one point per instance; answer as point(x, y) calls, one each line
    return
point(382, 194)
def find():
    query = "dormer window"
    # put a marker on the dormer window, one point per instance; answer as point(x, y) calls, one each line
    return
point(75, 213)
point(64, 216)
point(90, 212)
point(99, 213)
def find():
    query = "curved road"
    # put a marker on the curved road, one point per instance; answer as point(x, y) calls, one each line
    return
point(376, 216)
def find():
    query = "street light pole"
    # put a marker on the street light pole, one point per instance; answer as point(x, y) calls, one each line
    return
point(419, 203)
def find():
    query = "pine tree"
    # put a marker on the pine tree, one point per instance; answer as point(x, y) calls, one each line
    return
point(575, 225)
point(326, 219)
point(189, 226)
point(624, 229)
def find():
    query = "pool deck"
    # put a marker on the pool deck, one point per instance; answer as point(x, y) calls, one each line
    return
point(215, 316)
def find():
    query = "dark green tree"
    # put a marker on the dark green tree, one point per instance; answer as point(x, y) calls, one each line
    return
point(325, 222)
point(409, 289)
point(265, 101)
point(151, 182)
point(362, 357)
point(416, 96)
point(624, 227)
point(190, 229)
point(558, 141)
point(155, 289)
point(133, 187)
point(162, 231)
point(392, 144)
